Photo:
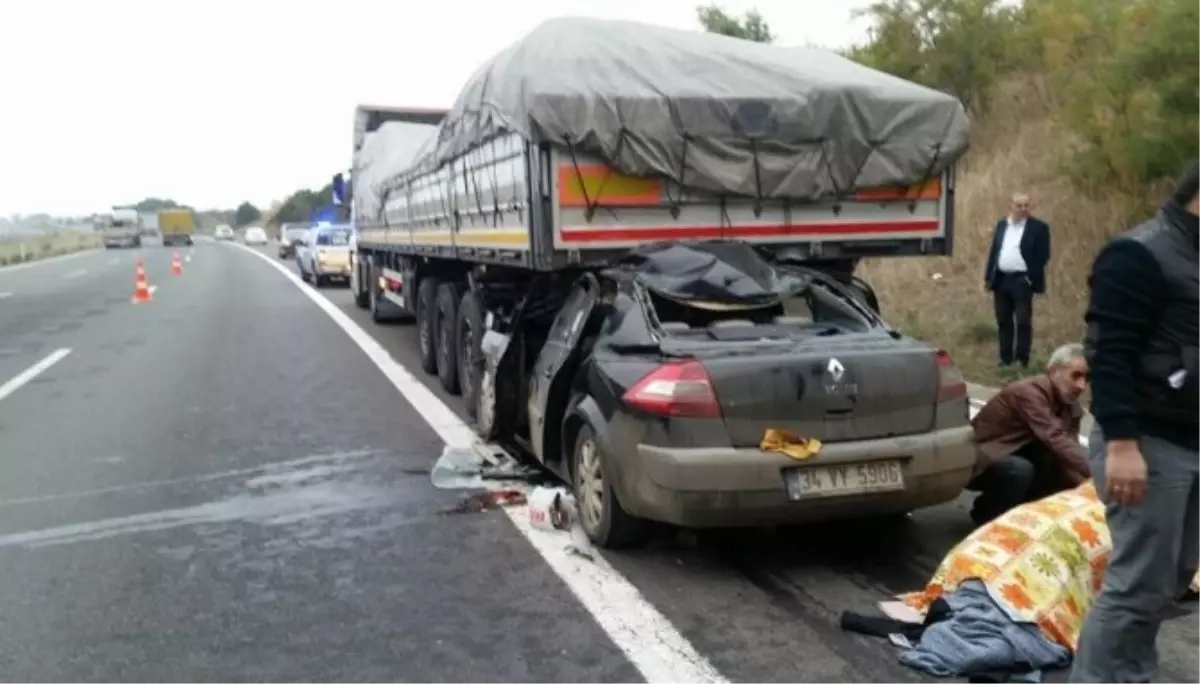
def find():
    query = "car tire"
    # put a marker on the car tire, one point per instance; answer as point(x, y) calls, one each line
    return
point(447, 326)
point(427, 323)
point(468, 332)
point(303, 274)
point(609, 527)
point(364, 286)
point(318, 280)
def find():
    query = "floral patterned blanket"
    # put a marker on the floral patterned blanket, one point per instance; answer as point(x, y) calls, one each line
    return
point(1042, 562)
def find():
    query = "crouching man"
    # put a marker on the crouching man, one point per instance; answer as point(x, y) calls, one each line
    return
point(1027, 438)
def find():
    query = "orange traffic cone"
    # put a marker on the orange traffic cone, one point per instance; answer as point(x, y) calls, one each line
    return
point(141, 290)
point(176, 265)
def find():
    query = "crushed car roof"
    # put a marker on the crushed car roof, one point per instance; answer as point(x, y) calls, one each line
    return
point(711, 272)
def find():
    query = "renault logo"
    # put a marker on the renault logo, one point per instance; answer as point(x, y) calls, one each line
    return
point(835, 369)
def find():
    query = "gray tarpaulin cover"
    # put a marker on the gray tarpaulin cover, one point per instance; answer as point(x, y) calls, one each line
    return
point(632, 94)
point(714, 272)
point(392, 148)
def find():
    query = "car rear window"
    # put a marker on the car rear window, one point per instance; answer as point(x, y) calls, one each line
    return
point(815, 311)
point(334, 238)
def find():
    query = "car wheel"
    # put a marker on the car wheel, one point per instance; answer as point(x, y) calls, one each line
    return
point(468, 335)
point(426, 320)
point(447, 346)
point(601, 515)
point(303, 274)
point(318, 280)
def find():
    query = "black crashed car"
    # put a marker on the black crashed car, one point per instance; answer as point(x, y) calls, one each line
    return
point(701, 385)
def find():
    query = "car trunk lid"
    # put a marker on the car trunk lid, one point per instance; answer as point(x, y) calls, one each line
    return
point(837, 388)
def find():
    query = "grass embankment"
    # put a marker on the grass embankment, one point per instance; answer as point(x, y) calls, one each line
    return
point(19, 250)
point(1015, 148)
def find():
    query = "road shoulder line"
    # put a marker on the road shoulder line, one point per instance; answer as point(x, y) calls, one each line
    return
point(27, 375)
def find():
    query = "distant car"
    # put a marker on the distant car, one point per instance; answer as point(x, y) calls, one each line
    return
point(325, 255)
point(255, 236)
point(224, 233)
point(290, 234)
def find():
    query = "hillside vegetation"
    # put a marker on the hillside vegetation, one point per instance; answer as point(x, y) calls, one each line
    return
point(1088, 105)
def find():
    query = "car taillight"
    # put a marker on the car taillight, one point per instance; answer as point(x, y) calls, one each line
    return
point(675, 389)
point(951, 383)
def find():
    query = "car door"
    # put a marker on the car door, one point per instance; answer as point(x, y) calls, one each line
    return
point(555, 368)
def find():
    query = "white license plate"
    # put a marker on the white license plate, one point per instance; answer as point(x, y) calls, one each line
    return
point(844, 480)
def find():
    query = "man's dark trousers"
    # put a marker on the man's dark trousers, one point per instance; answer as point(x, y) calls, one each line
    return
point(1012, 298)
point(1027, 475)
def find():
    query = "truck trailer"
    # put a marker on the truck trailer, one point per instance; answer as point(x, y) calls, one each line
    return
point(635, 263)
point(177, 226)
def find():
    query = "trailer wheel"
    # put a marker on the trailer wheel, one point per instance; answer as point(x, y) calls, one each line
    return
point(468, 335)
point(447, 337)
point(426, 323)
point(364, 288)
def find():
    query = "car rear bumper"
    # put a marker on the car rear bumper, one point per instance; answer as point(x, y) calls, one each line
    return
point(333, 270)
point(728, 487)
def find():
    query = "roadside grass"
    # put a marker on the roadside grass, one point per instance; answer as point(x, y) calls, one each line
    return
point(1016, 147)
point(20, 250)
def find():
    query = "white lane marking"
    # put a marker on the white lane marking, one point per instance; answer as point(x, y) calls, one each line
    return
point(32, 372)
point(647, 638)
point(976, 404)
point(76, 273)
point(4, 295)
point(51, 260)
point(152, 289)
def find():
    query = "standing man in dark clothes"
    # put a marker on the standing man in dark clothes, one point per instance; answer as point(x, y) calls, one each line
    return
point(1015, 272)
point(1142, 348)
point(1027, 438)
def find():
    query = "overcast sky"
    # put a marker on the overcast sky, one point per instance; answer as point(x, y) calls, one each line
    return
point(210, 102)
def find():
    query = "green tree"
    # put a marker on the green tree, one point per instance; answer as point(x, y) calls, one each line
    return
point(155, 204)
point(246, 214)
point(1159, 71)
point(962, 47)
point(751, 26)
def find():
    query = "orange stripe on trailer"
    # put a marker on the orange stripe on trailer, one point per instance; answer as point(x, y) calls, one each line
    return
point(597, 183)
point(831, 229)
point(930, 190)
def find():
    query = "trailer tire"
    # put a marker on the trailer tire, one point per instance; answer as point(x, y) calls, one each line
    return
point(467, 336)
point(364, 292)
point(426, 323)
point(447, 327)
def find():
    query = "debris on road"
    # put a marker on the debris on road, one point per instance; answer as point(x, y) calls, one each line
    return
point(550, 508)
point(470, 468)
point(487, 501)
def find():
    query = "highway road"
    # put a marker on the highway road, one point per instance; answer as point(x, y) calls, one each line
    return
point(229, 483)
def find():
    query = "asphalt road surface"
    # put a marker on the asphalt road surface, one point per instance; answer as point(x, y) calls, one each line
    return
point(223, 484)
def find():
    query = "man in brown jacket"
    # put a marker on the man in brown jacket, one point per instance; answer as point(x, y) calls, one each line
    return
point(1027, 437)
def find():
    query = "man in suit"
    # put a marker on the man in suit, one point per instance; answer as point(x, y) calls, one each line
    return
point(1015, 272)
